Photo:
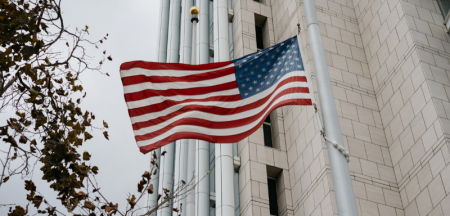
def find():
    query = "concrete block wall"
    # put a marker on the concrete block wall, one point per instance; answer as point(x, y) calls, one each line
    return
point(389, 62)
point(255, 157)
point(244, 35)
point(371, 168)
point(410, 97)
point(412, 102)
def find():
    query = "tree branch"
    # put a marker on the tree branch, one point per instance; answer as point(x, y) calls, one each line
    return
point(4, 165)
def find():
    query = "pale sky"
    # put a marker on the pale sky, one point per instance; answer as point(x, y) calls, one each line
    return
point(132, 27)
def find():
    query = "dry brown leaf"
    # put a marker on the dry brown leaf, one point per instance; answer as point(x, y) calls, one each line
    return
point(146, 175)
point(150, 189)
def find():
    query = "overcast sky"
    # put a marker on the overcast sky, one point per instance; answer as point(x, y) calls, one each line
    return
point(132, 27)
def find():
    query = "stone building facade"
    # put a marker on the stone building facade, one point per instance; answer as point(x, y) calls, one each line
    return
point(389, 66)
point(389, 63)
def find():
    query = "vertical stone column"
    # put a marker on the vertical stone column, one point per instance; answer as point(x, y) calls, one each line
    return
point(180, 168)
point(166, 175)
point(185, 57)
point(163, 30)
point(202, 44)
point(186, 32)
point(176, 166)
point(173, 40)
point(162, 57)
point(161, 170)
point(183, 172)
point(190, 199)
point(224, 180)
point(173, 47)
point(152, 198)
point(202, 148)
point(202, 190)
point(224, 152)
point(221, 44)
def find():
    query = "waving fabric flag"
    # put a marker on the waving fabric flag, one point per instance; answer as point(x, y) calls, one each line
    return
point(219, 102)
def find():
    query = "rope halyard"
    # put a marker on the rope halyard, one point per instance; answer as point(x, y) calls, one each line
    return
point(340, 148)
point(335, 144)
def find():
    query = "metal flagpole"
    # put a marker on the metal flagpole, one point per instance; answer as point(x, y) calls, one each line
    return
point(202, 195)
point(345, 198)
point(194, 12)
point(190, 198)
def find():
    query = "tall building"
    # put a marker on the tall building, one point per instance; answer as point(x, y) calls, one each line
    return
point(389, 62)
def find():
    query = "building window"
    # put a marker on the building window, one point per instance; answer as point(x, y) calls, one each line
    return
point(267, 130)
point(445, 6)
point(211, 56)
point(259, 37)
point(261, 31)
point(273, 197)
point(275, 188)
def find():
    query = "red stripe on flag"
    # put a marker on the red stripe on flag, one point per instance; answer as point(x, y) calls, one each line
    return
point(168, 103)
point(213, 109)
point(219, 139)
point(172, 92)
point(219, 125)
point(190, 78)
point(171, 66)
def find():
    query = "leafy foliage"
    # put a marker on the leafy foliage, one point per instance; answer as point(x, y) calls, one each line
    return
point(40, 83)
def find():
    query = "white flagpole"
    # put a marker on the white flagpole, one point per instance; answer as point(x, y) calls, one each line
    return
point(343, 190)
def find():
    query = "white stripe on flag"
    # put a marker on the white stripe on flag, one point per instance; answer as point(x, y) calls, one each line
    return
point(178, 85)
point(227, 105)
point(212, 117)
point(158, 99)
point(232, 104)
point(217, 132)
point(169, 72)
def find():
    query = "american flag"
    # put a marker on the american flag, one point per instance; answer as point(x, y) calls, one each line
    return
point(220, 102)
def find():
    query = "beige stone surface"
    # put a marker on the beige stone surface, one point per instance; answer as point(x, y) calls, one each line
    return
point(389, 63)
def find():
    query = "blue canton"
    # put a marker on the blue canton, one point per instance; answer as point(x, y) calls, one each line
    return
point(259, 71)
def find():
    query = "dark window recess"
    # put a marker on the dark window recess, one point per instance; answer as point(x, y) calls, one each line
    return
point(259, 37)
point(267, 130)
point(256, 0)
point(273, 200)
point(445, 7)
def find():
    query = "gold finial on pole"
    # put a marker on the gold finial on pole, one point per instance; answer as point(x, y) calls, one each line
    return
point(194, 10)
